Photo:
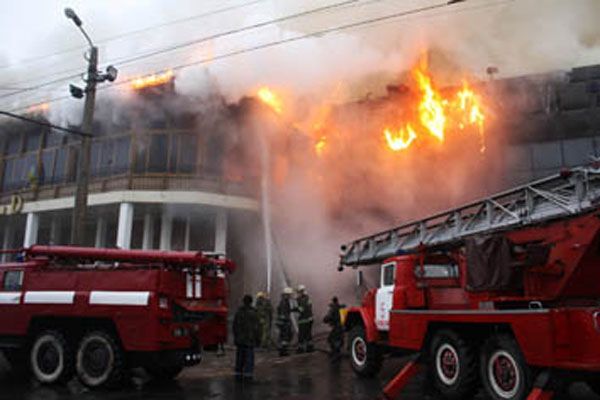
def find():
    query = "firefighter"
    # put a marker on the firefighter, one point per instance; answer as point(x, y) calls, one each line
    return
point(246, 334)
point(305, 320)
point(265, 317)
point(284, 321)
point(336, 336)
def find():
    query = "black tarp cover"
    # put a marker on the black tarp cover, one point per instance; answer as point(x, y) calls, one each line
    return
point(489, 263)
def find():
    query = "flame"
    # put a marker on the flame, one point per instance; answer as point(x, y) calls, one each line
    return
point(437, 115)
point(401, 139)
point(268, 97)
point(321, 145)
point(431, 108)
point(152, 80)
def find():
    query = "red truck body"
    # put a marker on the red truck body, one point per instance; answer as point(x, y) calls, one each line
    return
point(539, 313)
point(160, 308)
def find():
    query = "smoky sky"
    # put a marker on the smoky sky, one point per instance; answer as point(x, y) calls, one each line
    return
point(518, 37)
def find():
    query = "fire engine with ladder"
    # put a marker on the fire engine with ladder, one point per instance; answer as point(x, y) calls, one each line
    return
point(95, 313)
point(502, 293)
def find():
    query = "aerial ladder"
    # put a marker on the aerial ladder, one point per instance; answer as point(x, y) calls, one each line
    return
point(567, 193)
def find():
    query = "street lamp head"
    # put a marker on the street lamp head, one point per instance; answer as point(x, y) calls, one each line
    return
point(76, 91)
point(111, 73)
point(69, 13)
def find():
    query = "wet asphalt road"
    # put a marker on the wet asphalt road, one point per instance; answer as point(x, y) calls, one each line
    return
point(300, 377)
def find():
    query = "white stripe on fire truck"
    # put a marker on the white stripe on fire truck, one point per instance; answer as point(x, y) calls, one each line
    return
point(10, 298)
point(100, 297)
point(49, 297)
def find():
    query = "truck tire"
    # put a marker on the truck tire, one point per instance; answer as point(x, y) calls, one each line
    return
point(163, 373)
point(51, 358)
point(453, 366)
point(366, 357)
point(504, 372)
point(100, 360)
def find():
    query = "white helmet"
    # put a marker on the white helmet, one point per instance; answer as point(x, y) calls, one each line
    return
point(301, 288)
point(288, 290)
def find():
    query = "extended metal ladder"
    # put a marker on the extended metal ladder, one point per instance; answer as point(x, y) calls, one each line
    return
point(567, 193)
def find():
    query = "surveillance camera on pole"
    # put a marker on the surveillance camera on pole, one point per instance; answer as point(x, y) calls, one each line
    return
point(92, 78)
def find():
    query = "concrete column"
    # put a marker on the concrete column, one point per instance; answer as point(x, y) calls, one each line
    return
point(148, 238)
point(8, 239)
point(221, 231)
point(101, 225)
point(186, 239)
point(166, 231)
point(55, 230)
point(125, 226)
point(31, 229)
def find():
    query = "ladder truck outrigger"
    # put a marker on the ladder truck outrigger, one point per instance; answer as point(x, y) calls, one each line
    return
point(502, 293)
point(95, 313)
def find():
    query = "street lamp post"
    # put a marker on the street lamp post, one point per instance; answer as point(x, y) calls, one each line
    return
point(83, 171)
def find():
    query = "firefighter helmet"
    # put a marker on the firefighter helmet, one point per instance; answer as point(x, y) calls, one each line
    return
point(301, 288)
point(260, 295)
point(288, 290)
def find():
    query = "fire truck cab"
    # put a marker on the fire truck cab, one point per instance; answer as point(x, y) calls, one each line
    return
point(95, 313)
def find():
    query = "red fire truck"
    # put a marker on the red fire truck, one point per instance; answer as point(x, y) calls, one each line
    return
point(502, 293)
point(94, 313)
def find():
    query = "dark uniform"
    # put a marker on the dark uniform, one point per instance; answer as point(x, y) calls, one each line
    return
point(284, 324)
point(305, 322)
point(336, 336)
point(265, 317)
point(246, 334)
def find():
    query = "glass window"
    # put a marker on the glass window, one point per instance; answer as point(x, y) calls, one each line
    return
point(95, 158)
point(8, 171)
point(387, 278)
point(157, 160)
point(121, 155)
point(187, 154)
point(13, 281)
point(60, 165)
point(214, 154)
point(437, 271)
point(106, 157)
point(13, 145)
point(45, 175)
point(32, 140)
point(173, 153)
point(54, 138)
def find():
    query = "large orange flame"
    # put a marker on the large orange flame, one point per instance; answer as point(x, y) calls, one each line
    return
point(437, 114)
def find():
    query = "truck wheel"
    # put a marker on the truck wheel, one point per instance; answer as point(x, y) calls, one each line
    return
point(100, 360)
point(162, 373)
point(453, 366)
point(366, 357)
point(504, 372)
point(51, 358)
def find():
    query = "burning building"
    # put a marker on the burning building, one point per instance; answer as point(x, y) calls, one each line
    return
point(170, 173)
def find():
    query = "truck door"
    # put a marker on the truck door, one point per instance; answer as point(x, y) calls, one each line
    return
point(384, 296)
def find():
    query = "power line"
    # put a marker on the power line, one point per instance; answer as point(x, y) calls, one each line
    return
point(45, 124)
point(135, 32)
point(129, 60)
point(315, 34)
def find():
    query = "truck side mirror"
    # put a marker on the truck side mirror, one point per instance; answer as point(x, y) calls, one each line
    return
point(359, 278)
